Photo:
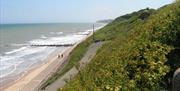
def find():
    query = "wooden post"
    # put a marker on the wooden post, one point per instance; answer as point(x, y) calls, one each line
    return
point(93, 33)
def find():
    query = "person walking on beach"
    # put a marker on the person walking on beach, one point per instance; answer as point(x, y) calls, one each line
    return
point(58, 56)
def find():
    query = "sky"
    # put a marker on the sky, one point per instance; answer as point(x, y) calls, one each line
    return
point(49, 11)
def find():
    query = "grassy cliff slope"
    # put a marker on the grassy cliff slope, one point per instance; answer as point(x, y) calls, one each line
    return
point(141, 52)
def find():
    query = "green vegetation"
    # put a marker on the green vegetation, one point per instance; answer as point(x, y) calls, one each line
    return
point(141, 53)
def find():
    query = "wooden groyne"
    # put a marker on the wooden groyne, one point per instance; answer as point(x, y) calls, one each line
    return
point(58, 45)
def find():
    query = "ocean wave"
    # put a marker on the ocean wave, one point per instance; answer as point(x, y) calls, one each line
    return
point(58, 33)
point(84, 33)
point(43, 37)
point(9, 71)
point(18, 62)
point(68, 39)
point(16, 50)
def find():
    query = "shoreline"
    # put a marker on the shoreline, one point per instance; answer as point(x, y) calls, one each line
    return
point(34, 72)
point(18, 77)
point(50, 67)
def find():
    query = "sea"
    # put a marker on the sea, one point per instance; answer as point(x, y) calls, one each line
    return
point(17, 55)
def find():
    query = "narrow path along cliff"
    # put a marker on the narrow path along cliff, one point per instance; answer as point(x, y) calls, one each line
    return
point(91, 52)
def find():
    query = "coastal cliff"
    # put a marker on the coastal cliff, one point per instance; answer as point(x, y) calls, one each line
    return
point(140, 52)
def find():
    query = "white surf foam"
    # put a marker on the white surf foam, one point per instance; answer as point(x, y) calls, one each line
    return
point(68, 39)
point(84, 33)
point(12, 60)
point(3, 74)
point(43, 37)
point(58, 33)
point(16, 50)
point(20, 45)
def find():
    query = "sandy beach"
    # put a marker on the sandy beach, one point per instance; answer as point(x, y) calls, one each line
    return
point(34, 78)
